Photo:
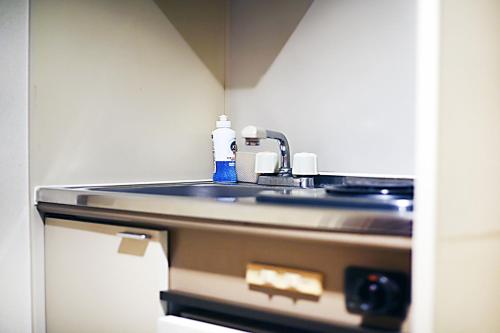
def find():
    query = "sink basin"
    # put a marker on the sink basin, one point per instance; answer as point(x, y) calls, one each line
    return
point(207, 190)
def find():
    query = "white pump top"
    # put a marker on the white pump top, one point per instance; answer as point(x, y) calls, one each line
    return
point(223, 122)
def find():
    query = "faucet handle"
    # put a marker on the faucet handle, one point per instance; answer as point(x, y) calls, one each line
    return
point(266, 162)
point(305, 164)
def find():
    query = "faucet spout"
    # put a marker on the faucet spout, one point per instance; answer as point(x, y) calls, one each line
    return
point(253, 135)
point(285, 169)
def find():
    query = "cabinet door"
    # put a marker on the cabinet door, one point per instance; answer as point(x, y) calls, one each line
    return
point(103, 278)
point(173, 324)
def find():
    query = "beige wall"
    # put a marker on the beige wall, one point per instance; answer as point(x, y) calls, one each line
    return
point(337, 76)
point(468, 213)
point(119, 94)
point(15, 303)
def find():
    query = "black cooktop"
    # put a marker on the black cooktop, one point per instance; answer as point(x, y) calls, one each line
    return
point(393, 194)
point(356, 186)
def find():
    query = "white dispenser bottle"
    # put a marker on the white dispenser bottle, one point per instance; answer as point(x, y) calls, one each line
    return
point(224, 149)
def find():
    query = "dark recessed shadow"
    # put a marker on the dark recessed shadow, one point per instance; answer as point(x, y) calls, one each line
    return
point(258, 31)
point(237, 40)
point(202, 24)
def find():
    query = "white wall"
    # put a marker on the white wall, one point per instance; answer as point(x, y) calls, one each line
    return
point(337, 76)
point(468, 189)
point(427, 112)
point(15, 304)
point(118, 94)
point(457, 231)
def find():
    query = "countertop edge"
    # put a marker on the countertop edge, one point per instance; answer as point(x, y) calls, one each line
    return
point(159, 221)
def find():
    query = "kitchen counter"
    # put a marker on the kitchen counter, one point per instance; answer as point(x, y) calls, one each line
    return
point(376, 228)
point(210, 236)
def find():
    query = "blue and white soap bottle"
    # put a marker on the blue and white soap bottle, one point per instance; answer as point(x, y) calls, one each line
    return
point(224, 149)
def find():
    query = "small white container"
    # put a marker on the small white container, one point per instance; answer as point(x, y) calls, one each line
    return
point(266, 162)
point(305, 164)
point(224, 148)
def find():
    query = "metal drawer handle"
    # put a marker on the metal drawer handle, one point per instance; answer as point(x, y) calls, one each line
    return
point(131, 235)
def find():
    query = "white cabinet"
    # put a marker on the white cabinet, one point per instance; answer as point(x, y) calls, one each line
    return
point(173, 324)
point(103, 278)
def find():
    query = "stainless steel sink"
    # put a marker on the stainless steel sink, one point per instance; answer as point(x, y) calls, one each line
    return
point(205, 190)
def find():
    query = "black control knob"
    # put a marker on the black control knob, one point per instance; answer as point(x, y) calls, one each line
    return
point(376, 293)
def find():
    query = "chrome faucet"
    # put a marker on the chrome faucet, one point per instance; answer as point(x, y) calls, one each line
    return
point(253, 135)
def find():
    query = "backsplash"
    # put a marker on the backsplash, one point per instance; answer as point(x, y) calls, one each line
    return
point(336, 76)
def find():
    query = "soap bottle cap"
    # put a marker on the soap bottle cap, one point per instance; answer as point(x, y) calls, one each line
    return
point(223, 122)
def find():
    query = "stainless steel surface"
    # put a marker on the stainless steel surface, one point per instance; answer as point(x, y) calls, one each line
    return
point(322, 197)
point(131, 235)
point(158, 221)
point(204, 190)
point(225, 211)
point(285, 169)
point(302, 182)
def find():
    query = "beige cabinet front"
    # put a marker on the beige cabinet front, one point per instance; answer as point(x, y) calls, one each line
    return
point(103, 278)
